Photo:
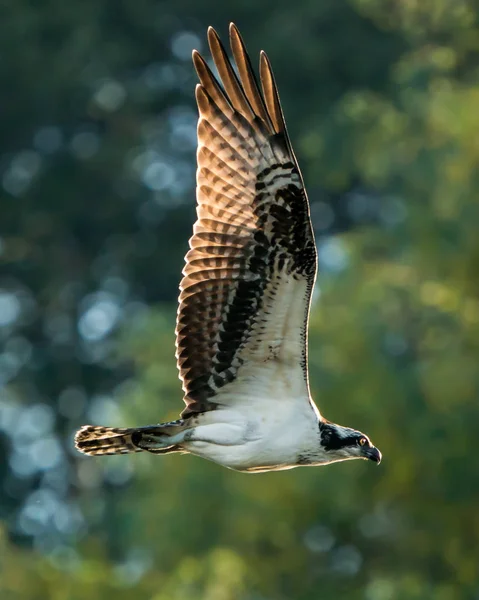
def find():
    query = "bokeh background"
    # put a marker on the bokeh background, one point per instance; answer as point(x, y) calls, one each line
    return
point(97, 149)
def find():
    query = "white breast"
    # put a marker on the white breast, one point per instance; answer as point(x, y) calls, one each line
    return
point(264, 420)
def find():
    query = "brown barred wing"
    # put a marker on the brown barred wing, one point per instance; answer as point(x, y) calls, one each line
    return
point(249, 273)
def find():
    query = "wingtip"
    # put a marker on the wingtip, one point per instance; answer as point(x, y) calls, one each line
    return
point(235, 37)
point(263, 56)
point(202, 98)
point(264, 65)
point(198, 60)
point(212, 34)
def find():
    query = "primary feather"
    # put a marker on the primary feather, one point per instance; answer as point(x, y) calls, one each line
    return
point(250, 271)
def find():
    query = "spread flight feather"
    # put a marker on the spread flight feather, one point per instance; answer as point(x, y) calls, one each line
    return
point(252, 261)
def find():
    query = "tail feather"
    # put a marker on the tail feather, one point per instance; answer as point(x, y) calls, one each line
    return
point(97, 441)
point(105, 440)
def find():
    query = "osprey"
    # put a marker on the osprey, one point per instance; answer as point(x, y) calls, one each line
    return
point(242, 325)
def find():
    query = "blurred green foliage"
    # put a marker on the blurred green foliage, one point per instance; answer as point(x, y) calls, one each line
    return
point(97, 171)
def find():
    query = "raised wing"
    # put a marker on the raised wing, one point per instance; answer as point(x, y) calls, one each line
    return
point(250, 271)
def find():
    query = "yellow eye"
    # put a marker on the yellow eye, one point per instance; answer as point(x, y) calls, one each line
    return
point(363, 441)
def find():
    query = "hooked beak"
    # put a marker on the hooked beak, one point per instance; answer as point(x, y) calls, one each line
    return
point(374, 454)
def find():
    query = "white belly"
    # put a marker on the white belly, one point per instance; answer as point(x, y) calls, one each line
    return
point(264, 421)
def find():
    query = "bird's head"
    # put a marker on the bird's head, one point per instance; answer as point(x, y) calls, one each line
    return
point(343, 443)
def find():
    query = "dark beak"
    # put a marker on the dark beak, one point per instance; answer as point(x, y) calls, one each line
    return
point(373, 454)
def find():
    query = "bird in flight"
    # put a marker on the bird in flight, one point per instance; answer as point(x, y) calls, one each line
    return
point(242, 325)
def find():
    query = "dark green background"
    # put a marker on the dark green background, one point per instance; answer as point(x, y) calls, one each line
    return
point(97, 144)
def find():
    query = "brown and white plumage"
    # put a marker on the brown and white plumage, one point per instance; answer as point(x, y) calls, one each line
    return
point(245, 294)
point(252, 241)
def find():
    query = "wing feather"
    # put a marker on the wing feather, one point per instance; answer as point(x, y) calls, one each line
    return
point(250, 270)
point(271, 95)
point(233, 89)
point(248, 80)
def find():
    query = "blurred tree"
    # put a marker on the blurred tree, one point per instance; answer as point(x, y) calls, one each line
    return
point(97, 169)
point(97, 172)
